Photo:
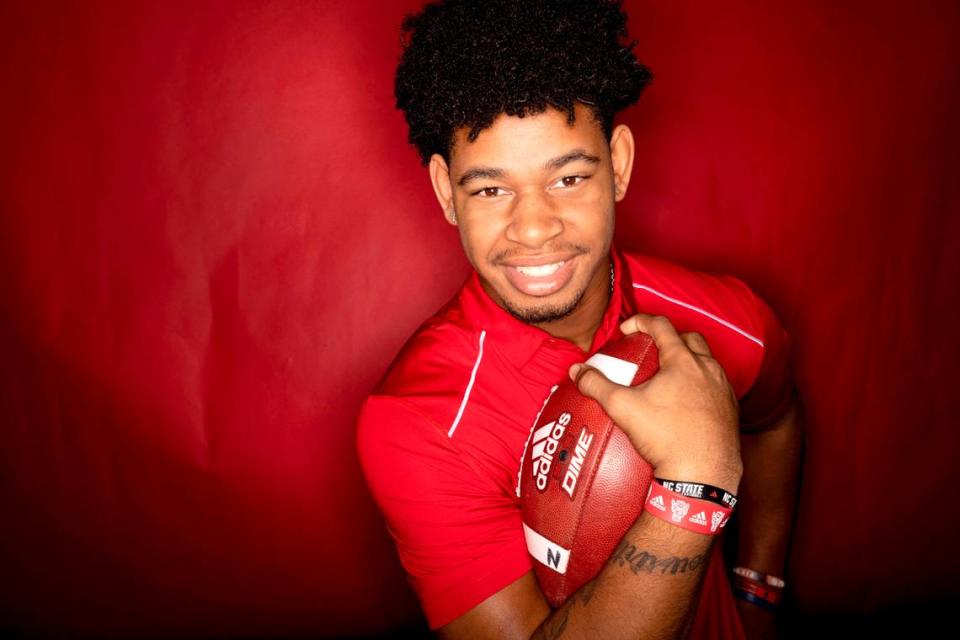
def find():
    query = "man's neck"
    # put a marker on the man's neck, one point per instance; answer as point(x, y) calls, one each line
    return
point(580, 326)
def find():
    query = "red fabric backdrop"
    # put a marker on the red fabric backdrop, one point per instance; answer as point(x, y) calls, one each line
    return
point(214, 238)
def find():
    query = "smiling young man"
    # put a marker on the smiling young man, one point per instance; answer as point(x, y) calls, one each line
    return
point(511, 105)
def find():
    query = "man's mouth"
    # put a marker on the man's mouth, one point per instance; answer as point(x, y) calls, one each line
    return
point(540, 271)
point(540, 279)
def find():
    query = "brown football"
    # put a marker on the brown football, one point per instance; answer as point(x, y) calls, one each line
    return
point(582, 483)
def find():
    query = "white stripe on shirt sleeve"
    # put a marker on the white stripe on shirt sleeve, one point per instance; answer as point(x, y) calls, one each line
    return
point(466, 394)
point(687, 305)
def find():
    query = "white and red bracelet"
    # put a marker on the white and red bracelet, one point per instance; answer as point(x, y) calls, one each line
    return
point(694, 514)
point(763, 578)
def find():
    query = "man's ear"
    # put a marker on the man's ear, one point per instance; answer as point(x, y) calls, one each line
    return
point(440, 178)
point(621, 156)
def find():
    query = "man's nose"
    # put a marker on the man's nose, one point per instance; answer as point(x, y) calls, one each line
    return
point(534, 220)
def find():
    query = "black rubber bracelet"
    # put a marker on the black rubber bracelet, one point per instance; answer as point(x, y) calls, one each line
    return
point(703, 491)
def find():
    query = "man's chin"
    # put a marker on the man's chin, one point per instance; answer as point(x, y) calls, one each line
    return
point(544, 312)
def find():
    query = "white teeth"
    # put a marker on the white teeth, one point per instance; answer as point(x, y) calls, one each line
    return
point(540, 271)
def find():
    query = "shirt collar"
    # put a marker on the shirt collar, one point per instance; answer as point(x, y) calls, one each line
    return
point(519, 341)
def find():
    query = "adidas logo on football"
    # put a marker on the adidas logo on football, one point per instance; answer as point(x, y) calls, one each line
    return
point(545, 440)
point(700, 518)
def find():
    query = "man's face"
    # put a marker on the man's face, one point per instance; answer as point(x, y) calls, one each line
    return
point(534, 202)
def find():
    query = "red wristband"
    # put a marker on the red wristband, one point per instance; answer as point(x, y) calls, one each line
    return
point(770, 594)
point(746, 596)
point(694, 514)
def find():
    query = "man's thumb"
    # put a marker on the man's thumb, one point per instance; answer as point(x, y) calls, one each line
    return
point(591, 382)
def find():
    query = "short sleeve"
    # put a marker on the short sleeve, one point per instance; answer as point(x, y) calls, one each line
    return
point(459, 537)
point(770, 396)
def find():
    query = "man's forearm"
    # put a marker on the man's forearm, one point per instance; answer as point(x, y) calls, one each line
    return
point(647, 588)
point(768, 493)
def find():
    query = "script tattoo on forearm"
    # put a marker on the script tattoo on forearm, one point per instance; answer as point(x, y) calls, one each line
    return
point(644, 561)
point(637, 561)
point(554, 627)
point(585, 594)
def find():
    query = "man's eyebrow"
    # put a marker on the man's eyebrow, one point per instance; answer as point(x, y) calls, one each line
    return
point(567, 158)
point(480, 172)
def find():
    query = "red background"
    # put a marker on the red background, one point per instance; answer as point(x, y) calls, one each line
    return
point(214, 238)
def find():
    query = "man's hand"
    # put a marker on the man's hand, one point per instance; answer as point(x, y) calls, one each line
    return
point(683, 420)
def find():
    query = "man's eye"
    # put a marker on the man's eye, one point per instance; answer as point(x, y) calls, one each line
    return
point(488, 192)
point(569, 181)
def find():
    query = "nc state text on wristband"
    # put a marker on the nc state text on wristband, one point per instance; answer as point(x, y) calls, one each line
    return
point(701, 491)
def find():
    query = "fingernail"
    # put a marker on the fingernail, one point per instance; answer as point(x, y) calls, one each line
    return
point(575, 371)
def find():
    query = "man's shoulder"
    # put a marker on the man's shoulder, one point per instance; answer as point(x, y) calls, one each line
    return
point(423, 385)
point(682, 285)
point(443, 346)
point(721, 307)
point(414, 410)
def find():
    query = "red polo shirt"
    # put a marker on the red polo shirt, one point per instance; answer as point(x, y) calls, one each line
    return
point(441, 438)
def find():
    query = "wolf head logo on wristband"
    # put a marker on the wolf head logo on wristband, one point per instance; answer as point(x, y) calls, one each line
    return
point(702, 516)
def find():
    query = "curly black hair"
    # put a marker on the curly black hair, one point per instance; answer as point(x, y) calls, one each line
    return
point(464, 62)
